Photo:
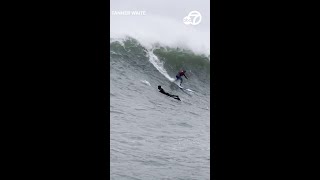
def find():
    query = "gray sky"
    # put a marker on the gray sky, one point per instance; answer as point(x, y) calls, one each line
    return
point(163, 22)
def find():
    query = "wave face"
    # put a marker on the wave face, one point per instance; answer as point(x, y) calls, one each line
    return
point(153, 136)
point(163, 62)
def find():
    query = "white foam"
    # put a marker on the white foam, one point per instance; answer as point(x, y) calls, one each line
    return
point(158, 65)
point(190, 90)
point(153, 29)
point(146, 82)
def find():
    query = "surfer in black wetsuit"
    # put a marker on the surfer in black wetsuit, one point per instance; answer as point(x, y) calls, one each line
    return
point(163, 92)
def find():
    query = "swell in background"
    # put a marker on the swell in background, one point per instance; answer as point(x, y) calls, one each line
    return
point(161, 63)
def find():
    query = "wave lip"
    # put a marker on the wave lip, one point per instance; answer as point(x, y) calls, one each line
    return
point(167, 31)
point(161, 59)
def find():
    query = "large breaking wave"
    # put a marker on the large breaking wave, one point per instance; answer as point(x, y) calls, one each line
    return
point(161, 63)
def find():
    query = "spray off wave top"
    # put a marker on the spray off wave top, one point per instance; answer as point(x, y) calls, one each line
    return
point(165, 60)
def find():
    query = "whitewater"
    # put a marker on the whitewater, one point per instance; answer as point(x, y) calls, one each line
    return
point(153, 136)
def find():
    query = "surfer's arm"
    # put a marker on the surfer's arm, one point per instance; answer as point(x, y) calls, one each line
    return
point(185, 76)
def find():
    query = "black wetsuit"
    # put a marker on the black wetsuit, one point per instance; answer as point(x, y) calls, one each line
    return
point(173, 96)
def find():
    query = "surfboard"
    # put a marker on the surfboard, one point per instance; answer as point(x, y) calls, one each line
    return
point(178, 85)
point(186, 89)
point(182, 88)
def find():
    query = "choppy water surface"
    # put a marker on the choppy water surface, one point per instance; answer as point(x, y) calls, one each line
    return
point(152, 135)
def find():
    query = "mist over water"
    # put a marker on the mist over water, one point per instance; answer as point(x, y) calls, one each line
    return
point(163, 23)
point(152, 29)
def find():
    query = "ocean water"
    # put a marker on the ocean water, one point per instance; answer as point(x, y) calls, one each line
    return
point(152, 135)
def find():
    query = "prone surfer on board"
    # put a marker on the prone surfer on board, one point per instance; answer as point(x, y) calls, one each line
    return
point(163, 92)
point(180, 74)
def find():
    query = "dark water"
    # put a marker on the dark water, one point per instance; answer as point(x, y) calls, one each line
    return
point(152, 135)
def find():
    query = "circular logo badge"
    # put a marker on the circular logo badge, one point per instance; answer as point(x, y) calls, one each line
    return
point(193, 18)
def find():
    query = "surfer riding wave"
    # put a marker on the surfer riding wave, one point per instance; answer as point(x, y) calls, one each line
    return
point(179, 76)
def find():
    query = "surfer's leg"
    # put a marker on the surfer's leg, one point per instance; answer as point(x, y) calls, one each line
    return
point(180, 81)
point(177, 78)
